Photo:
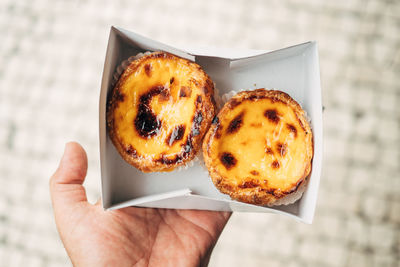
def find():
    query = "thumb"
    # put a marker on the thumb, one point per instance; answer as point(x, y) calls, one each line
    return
point(66, 188)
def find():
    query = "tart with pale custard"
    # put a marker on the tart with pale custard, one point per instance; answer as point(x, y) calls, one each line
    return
point(259, 148)
point(159, 111)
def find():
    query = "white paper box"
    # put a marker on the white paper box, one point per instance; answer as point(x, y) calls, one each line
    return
point(294, 70)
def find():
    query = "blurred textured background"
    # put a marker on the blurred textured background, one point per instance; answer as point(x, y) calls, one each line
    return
point(51, 60)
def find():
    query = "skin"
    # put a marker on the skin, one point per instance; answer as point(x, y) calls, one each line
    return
point(129, 236)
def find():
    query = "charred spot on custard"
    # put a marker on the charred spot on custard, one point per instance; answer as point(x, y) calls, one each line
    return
point(164, 94)
point(176, 134)
point(248, 184)
point(268, 150)
point(292, 129)
point(255, 173)
point(131, 151)
point(185, 91)
point(228, 160)
point(235, 124)
point(147, 123)
point(147, 70)
point(171, 81)
point(282, 149)
point(275, 164)
point(185, 152)
point(271, 115)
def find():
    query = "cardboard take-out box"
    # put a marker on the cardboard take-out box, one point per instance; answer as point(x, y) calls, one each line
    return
point(294, 70)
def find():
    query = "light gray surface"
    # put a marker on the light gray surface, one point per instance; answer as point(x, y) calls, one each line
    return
point(51, 58)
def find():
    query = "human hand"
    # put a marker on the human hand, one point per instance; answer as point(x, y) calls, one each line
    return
point(129, 236)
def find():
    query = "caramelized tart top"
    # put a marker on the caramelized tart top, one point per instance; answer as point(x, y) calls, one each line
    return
point(259, 142)
point(159, 111)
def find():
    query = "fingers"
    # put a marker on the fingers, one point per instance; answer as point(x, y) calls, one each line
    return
point(66, 183)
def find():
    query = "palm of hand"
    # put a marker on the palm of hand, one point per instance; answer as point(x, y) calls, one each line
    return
point(130, 236)
point(143, 236)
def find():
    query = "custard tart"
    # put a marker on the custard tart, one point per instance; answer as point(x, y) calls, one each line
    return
point(159, 111)
point(259, 148)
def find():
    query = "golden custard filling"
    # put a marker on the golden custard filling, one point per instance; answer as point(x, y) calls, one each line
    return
point(162, 117)
point(261, 143)
point(156, 112)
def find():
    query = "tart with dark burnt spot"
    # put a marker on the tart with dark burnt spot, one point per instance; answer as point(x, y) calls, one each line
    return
point(159, 111)
point(259, 148)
